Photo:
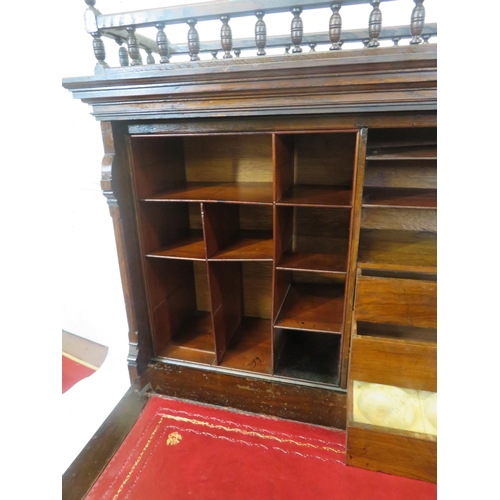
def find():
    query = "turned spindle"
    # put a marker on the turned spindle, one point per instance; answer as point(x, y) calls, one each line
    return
point(312, 46)
point(214, 54)
point(133, 47)
point(226, 37)
point(99, 51)
point(396, 40)
point(426, 38)
point(297, 30)
point(122, 54)
point(193, 40)
point(417, 22)
point(150, 59)
point(287, 49)
point(375, 24)
point(237, 52)
point(162, 44)
point(335, 27)
point(260, 34)
point(366, 41)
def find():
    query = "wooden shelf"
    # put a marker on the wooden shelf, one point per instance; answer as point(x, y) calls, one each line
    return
point(250, 245)
point(395, 250)
point(399, 197)
point(250, 347)
point(399, 332)
point(317, 196)
point(313, 307)
point(328, 263)
point(194, 342)
point(309, 356)
point(245, 192)
point(409, 152)
point(191, 248)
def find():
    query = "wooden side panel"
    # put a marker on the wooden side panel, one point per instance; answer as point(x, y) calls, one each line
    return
point(402, 453)
point(394, 362)
point(291, 401)
point(396, 301)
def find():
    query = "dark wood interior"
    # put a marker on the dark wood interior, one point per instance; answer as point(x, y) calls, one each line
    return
point(276, 217)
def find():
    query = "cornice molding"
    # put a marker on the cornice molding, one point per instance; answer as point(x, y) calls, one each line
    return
point(366, 80)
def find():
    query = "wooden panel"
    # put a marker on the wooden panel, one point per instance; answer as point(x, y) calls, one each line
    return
point(421, 175)
point(324, 159)
point(399, 218)
point(410, 251)
point(399, 453)
point(250, 348)
point(290, 401)
point(157, 164)
point(230, 158)
point(399, 197)
point(406, 364)
point(313, 307)
point(396, 301)
point(396, 332)
point(321, 196)
point(283, 164)
point(226, 297)
point(257, 289)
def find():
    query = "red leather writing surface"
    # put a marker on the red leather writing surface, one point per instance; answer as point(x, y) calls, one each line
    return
point(180, 450)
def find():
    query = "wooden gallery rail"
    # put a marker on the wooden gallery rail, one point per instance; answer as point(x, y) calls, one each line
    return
point(275, 221)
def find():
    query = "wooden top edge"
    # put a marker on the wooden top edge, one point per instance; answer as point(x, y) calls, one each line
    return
point(388, 55)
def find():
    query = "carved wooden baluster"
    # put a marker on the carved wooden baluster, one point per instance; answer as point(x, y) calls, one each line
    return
point(237, 52)
point(193, 40)
point(226, 37)
point(214, 54)
point(366, 41)
point(335, 27)
point(150, 59)
point(396, 40)
point(375, 24)
point(122, 54)
point(417, 22)
point(426, 38)
point(312, 46)
point(260, 34)
point(297, 29)
point(287, 49)
point(162, 44)
point(99, 51)
point(133, 47)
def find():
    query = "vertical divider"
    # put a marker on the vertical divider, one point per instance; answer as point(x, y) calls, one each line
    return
point(357, 195)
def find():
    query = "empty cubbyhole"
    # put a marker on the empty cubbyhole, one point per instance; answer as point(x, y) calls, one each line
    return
point(401, 332)
point(312, 239)
point(241, 301)
point(398, 240)
point(239, 232)
point(309, 301)
point(234, 168)
point(402, 144)
point(315, 169)
point(401, 169)
point(307, 356)
point(179, 307)
point(171, 230)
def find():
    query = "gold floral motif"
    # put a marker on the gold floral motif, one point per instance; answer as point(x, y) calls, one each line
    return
point(173, 439)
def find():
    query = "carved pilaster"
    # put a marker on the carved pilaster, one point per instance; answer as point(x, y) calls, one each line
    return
point(113, 175)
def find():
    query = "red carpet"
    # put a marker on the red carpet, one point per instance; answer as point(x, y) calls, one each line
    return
point(179, 450)
point(73, 372)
